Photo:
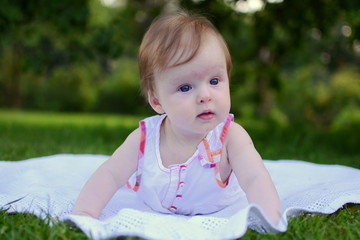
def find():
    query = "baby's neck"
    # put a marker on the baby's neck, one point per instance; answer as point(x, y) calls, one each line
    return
point(176, 148)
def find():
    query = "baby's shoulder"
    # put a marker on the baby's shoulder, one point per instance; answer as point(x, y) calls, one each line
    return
point(237, 136)
point(133, 139)
point(236, 130)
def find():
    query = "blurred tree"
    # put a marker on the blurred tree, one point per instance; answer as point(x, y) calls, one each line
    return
point(277, 38)
point(274, 45)
point(37, 39)
point(43, 36)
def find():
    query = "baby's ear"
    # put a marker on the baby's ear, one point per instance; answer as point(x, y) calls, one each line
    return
point(154, 102)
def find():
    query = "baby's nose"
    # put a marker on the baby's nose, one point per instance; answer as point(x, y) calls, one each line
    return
point(204, 96)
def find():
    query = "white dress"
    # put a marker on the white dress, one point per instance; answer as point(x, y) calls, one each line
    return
point(190, 188)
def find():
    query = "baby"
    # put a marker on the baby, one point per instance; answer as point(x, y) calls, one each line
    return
point(192, 158)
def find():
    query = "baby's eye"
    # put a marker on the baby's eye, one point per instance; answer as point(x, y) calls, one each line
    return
point(185, 88)
point(214, 81)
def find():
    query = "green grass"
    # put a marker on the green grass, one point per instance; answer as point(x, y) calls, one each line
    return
point(32, 134)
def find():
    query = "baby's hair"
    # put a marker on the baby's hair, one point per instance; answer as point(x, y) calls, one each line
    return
point(172, 40)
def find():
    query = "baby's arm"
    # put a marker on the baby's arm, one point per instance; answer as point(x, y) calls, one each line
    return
point(108, 178)
point(251, 173)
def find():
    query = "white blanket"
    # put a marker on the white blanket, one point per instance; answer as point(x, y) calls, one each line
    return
point(50, 185)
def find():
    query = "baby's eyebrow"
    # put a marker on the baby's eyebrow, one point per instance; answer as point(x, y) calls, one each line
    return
point(201, 74)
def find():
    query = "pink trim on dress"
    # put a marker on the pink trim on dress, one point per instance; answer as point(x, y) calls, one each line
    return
point(140, 158)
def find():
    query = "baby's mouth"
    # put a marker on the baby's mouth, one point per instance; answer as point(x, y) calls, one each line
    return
point(206, 115)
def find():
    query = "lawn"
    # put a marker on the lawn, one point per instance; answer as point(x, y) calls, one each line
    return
point(32, 134)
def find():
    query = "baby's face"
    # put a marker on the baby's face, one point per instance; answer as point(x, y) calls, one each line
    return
point(195, 95)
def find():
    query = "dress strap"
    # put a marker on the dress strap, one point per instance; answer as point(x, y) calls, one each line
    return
point(225, 129)
point(140, 158)
point(210, 150)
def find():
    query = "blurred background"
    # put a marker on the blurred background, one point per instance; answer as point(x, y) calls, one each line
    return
point(295, 63)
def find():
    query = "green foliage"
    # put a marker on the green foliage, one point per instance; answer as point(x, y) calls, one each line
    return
point(120, 91)
point(293, 62)
point(19, 12)
point(66, 89)
point(311, 95)
point(70, 89)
